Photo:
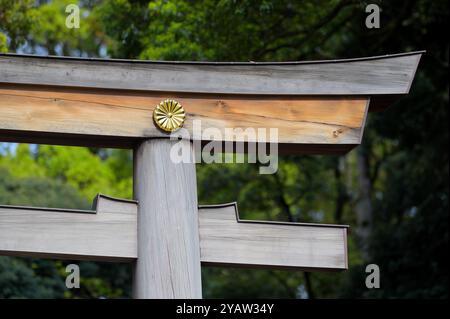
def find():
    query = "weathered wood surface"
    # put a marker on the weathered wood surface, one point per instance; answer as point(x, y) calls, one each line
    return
point(228, 241)
point(106, 234)
point(383, 75)
point(123, 118)
point(318, 107)
point(171, 245)
point(168, 241)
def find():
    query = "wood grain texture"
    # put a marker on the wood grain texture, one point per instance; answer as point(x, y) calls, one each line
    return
point(106, 234)
point(170, 246)
point(168, 264)
point(28, 111)
point(383, 75)
point(227, 241)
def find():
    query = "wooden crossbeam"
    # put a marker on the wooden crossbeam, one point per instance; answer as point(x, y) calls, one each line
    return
point(381, 75)
point(227, 240)
point(109, 234)
point(317, 107)
point(124, 118)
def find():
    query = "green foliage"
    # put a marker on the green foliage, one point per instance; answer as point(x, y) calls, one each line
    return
point(39, 278)
point(24, 277)
point(222, 30)
point(16, 21)
point(246, 283)
point(3, 43)
point(101, 280)
point(28, 191)
point(50, 31)
point(405, 149)
point(21, 279)
point(76, 166)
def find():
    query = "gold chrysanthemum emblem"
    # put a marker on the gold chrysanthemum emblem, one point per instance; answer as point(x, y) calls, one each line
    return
point(169, 115)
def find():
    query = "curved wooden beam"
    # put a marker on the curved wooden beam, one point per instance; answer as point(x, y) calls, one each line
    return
point(380, 75)
point(317, 107)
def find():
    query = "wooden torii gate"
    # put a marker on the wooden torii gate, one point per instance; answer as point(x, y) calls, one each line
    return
point(318, 107)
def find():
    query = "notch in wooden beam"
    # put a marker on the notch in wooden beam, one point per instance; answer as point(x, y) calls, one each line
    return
point(226, 240)
point(107, 233)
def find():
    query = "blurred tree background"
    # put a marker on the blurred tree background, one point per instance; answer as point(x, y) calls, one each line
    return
point(392, 190)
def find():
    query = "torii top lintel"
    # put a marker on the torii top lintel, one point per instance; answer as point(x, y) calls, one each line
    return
point(317, 106)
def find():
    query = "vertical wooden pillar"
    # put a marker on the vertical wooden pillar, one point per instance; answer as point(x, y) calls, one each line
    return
point(168, 264)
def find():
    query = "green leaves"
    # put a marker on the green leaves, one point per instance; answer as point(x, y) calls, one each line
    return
point(406, 146)
point(3, 43)
point(75, 166)
point(16, 20)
